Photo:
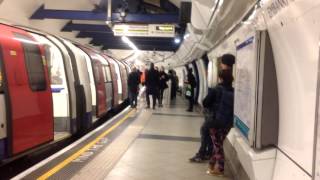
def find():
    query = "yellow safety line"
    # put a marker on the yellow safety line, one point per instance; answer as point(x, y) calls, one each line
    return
point(82, 150)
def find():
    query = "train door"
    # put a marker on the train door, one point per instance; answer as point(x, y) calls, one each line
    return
point(101, 90)
point(107, 81)
point(120, 91)
point(70, 80)
point(98, 93)
point(114, 81)
point(93, 88)
point(31, 116)
point(59, 87)
point(124, 80)
point(108, 86)
point(82, 84)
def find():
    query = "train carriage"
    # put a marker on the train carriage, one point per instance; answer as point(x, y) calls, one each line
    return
point(26, 86)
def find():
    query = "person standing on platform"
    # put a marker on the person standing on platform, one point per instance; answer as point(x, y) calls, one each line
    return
point(205, 150)
point(227, 62)
point(191, 84)
point(221, 100)
point(162, 85)
point(174, 80)
point(152, 84)
point(133, 85)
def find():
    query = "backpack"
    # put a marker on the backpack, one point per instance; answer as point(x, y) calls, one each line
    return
point(224, 108)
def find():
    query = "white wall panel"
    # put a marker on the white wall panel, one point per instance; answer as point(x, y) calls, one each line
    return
point(287, 170)
point(295, 37)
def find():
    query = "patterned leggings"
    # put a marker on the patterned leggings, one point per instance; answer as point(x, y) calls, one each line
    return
point(217, 158)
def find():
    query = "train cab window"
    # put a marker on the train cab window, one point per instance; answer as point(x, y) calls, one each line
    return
point(34, 62)
point(108, 73)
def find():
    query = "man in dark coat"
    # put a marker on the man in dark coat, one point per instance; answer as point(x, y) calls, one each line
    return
point(133, 85)
point(152, 85)
point(192, 84)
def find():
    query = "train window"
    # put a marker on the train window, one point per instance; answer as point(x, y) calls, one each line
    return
point(96, 73)
point(108, 73)
point(104, 74)
point(34, 62)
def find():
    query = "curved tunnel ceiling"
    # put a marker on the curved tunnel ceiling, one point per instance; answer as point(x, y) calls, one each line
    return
point(66, 19)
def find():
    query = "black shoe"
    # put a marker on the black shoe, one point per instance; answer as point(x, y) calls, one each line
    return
point(189, 110)
point(153, 107)
point(196, 159)
point(148, 107)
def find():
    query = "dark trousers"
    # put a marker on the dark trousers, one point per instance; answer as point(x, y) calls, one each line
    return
point(154, 98)
point(133, 97)
point(206, 142)
point(191, 102)
point(161, 96)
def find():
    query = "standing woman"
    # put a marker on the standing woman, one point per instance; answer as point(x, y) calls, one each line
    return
point(162, 85)
point(221, 98)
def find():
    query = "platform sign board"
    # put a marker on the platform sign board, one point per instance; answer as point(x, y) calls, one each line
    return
point(144, 30)
point(246, 87)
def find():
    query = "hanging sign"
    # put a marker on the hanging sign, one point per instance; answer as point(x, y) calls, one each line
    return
point(148, 30)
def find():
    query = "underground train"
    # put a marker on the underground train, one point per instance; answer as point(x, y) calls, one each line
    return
point(52, 88)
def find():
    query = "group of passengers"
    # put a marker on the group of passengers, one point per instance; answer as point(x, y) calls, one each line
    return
point(218, 105)
point(155, 81)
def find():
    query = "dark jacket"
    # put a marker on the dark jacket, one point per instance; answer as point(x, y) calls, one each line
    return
point(152, 81)
point(163, 80)
point(133, 82)
point(192, 82)
point(220, 109)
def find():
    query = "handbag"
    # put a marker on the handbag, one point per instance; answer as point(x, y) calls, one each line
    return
point(188, 91)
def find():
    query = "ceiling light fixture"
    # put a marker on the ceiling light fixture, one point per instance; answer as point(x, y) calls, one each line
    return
point(130, 43)
point(177, 40)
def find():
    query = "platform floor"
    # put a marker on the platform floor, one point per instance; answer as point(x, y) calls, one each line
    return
point(154, 144)
point(162, 149)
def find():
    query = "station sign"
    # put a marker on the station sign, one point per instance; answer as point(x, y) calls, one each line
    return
point(145, 30)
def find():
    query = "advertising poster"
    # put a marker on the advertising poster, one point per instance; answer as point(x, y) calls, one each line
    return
point(246, 87)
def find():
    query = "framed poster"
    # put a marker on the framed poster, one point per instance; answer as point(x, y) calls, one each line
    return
point(246, 87)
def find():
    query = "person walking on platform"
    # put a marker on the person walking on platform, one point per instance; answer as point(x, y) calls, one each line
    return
point(162, 85)
point(133, 85)
point(152, 85)
point(191, 84)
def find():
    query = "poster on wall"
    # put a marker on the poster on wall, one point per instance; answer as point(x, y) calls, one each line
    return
point(246, 87)
point(317, 160)
point(317, 147)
